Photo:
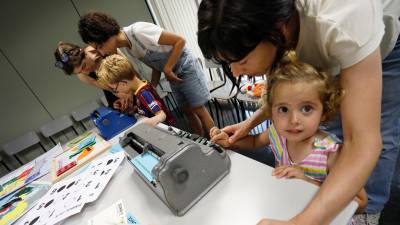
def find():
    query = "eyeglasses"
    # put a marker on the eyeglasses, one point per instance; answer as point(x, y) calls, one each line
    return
point(61, 63)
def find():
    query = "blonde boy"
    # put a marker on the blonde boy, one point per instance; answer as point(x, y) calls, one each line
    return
point(117, 73)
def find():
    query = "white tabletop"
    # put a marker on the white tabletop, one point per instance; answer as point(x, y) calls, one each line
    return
point(246, 195)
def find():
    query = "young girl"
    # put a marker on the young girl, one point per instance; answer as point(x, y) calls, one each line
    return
point(84, 62)
point(298, 99)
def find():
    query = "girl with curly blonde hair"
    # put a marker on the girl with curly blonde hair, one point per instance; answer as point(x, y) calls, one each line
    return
point(298, 98)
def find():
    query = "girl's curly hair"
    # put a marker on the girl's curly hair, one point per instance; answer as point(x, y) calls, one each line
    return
point(291, 70)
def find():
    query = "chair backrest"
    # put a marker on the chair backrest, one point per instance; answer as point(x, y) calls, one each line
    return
point(21, 143)
point(84, 111)
point(164, 84)
point(210, 64)
point(161, 92)
point(55, 126)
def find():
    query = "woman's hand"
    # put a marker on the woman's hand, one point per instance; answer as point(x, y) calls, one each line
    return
point(219, 137)
point(237, 131)
point(171, 76)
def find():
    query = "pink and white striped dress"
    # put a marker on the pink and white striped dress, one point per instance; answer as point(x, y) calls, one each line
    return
point(315, 165)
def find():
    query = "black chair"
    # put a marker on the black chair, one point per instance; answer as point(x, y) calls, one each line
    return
point(83, 112)
point(19, 144)
point(56, 126)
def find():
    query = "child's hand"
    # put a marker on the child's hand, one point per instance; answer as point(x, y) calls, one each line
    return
point(289, 172)
point(219, 137)
point(123, 104)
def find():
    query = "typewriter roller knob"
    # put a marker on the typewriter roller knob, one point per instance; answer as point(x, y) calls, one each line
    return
point(180, 175)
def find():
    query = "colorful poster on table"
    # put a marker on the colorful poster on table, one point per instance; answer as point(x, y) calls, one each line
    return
point(14, 206)
point(28, 173)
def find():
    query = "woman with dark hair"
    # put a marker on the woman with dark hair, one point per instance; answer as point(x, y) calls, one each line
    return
point(83, 62)
point(346, 38)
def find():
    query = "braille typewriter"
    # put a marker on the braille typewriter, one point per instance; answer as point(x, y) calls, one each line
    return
point(178, 166)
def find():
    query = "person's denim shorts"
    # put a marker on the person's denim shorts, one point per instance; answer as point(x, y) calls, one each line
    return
point(192, 92)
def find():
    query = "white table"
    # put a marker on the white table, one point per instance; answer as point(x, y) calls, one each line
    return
point(247, 194)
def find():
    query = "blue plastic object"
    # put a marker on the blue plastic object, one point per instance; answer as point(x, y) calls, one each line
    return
point(111, 122)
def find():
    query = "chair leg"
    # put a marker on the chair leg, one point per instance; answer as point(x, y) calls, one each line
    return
point(210, 109)
point(233, 102)
point(73, 128)
point(176, 105)
point(242, 109)
point(170, 106)
point(52, 140)
point(173, 105)
point(83, 125)
point(17, 158)
point(220, 110)
point(236, 105)
point(5, 165)
point(41, 145)
point(217, 112)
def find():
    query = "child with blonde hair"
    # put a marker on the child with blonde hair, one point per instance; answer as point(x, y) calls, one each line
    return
point(117, 73)
point(299, 98)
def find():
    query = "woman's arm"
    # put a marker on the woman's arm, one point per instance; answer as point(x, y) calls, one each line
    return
point(360, 113)
point(250, 142)
point(177, 42)
point(240, 130)
point(362, 200)
point(361, 197)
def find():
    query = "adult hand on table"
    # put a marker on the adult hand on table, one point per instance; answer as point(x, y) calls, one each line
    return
point(219, 137)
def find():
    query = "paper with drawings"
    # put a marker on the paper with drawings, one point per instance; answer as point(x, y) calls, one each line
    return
point(68, 196)
point(101, 172)
point(64, 199)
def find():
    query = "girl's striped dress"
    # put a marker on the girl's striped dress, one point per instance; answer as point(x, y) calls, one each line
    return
point(315, 165)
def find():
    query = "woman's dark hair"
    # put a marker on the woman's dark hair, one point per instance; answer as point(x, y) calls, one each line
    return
point(97, 27)
point(68, 56)
point(229, 29)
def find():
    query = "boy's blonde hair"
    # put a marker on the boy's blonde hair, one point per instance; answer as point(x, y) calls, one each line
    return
point(293, 71)
point(115, 68)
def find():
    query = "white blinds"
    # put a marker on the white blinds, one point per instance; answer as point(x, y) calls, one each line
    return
point(178, 16)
